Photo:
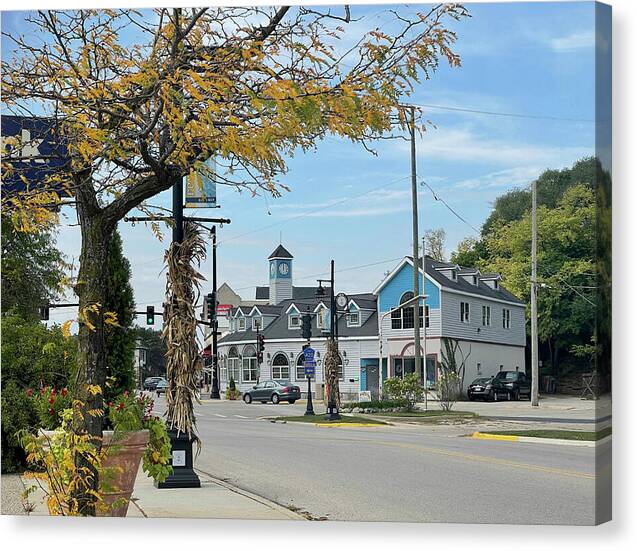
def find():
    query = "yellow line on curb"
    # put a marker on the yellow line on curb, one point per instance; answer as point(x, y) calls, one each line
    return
point(487, 436)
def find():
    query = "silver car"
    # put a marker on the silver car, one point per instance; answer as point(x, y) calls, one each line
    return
point(272, 391)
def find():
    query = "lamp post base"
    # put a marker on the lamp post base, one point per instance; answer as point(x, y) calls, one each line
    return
point(332, 413)
point(309, 410)
point(183, 475)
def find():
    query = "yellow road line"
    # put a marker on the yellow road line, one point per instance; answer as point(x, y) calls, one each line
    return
point(487, 436)
point(350, 425)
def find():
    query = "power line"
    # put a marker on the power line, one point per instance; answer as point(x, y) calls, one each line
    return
point(438, 198)
point(501, 113)
point(311, 212)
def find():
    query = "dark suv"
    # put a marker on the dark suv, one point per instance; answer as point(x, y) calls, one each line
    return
point(516, 383)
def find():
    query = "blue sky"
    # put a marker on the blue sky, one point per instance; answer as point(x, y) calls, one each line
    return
point(526, 58)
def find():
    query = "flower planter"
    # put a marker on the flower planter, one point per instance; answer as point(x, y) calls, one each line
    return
point(123, 458)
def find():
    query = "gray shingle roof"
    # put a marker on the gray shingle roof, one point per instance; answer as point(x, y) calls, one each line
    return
point(280, 252)
point(278, 328)
point(461, 285)
point(298, 293)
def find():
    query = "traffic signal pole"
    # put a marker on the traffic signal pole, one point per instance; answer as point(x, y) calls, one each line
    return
point(214, 392)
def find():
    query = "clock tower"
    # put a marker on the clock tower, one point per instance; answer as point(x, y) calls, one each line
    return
point(280, 262)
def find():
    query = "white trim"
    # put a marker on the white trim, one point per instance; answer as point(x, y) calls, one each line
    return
point(239, 309)
point(292, 306)
point(483, 297)
point(391, 275)
point(253, 309)
point(297, 339)
point(245, 324)
point(349, 324)
point(294, 327)
point(318, 306)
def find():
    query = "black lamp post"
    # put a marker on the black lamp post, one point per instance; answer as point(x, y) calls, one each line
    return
point(332, 410)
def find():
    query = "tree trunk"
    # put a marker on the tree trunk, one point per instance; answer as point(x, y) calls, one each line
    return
point(91, 357)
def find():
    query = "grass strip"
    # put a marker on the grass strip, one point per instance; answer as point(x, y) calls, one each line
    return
point(430, 413)
point(561, 434)
point(322, 419)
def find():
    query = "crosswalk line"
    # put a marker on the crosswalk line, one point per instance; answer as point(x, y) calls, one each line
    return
point(242, 416)
point(219, 415)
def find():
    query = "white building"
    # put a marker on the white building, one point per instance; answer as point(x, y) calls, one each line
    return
point(484, 319)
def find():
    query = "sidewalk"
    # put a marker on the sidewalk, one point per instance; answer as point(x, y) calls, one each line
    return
point(215, 499)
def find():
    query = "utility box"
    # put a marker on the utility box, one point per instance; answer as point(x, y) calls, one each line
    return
point(319, 391)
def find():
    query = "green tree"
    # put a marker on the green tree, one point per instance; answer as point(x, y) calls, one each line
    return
point(435, 243)
point(32, 356)
point(156, 350)
point(32, 270)
point(566, 266)
point(120, 338)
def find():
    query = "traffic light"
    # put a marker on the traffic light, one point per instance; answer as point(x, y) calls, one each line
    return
point(210, 308)
point(150, 315)
point(306, 326)
point(44, 312)
point(261, 343)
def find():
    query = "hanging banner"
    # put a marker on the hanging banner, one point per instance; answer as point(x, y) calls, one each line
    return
point(33, 151)
point(201, 188)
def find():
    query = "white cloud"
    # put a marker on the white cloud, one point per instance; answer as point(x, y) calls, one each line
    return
point(573, 42)
point(509, 178)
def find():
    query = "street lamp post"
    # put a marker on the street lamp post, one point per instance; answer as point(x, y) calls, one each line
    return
point(332, 409)
point(214, 391)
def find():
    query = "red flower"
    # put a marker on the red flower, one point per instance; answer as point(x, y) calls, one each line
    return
point(126, 393)
point(53, 391)
point(121, 406)
point(51, 411)
point(30, 392)
point(110, 404)
point(41, 390)
point(52, 399)
point(64, 392)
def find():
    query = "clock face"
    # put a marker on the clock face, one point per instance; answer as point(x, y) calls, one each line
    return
point(284, 268)
point(341, 300)
point(272, 269)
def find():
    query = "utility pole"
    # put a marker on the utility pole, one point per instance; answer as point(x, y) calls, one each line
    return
point(214, 392)
point(414, 206)
point(534, 351)
point(424, 317)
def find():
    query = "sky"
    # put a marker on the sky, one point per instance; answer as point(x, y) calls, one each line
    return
point(530, 59)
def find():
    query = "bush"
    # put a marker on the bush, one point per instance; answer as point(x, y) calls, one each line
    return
point(447, 389)
point(32, 357)
point(232, 392)
point(376, 404)
point(408, 390)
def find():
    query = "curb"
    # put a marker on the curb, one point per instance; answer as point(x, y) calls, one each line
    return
point(351, 424)
point(532, 439)
point(272, 504)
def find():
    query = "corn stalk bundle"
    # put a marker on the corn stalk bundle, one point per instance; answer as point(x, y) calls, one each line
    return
point(331, 373)
point(183, 362)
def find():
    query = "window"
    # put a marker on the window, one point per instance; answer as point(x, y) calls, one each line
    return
point(300, 369)
point(242, 324)
point(506, 318)
point(280, 367)
point(404, 318)
point(464, 312)
point(233, 365)
point(486, 315)
point(294, 321)
point(257, 322)
point(426, 316)
point(354, 319)
point(454, 275)
point(496, 284)
point(475, 279)
point(249, 364)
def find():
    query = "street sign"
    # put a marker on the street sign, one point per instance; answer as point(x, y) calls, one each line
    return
point(38, 152)
point(201, 188)
point(308, 354)
point(309, 368)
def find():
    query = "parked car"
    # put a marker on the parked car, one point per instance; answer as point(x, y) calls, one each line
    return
point(150, 383)
point(516, 383)
point(161, 387)
point(274, 391)
point(487, 388)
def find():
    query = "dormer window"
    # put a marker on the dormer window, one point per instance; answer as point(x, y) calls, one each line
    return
point(242, 324)
point(294, 320)
point(257, 322)
point(354, 319)
point(475, 279)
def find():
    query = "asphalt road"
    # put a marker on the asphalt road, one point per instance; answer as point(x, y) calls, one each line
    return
point(399, 473)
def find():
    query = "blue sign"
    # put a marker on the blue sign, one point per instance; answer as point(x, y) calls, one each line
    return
point(40, 151)
point(309, 368)
point(308, 354)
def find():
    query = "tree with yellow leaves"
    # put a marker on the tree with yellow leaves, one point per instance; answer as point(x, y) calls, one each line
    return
point(248, 86)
